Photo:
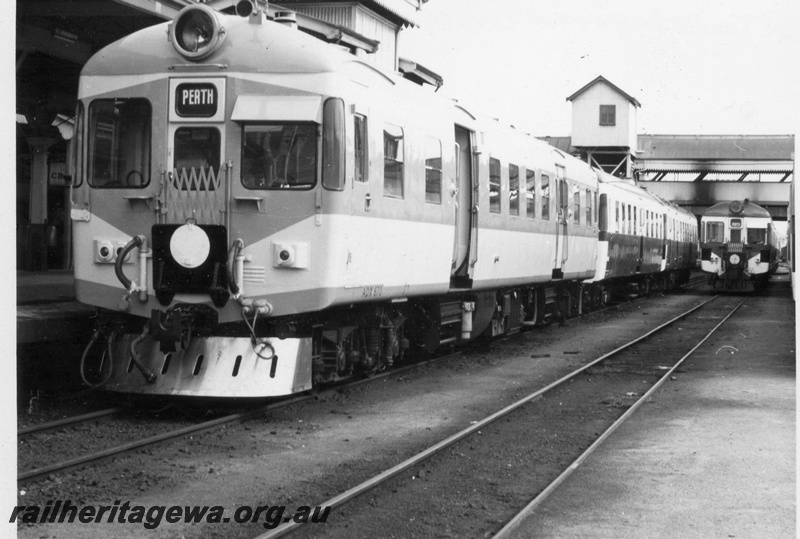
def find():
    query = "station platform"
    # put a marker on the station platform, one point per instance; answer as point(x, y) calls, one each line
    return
point(712, 454)
point(47, 310)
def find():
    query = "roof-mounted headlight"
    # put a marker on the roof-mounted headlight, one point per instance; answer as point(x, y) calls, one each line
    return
point(196, 32)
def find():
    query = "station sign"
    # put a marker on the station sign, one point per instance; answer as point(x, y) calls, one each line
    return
point(197, 100)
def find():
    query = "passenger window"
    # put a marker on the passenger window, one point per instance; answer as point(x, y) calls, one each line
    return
point(361, 148)
point(588, 207)
point(576, 202)
point(545, 197)
point(513, 189)
point(495, 192)
point(530, 193)
point(393, 161)
point(616, 205)
point(433, 170)
point(624, 221)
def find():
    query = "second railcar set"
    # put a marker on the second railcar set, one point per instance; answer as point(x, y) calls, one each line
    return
point(257, 211)
point(739, 249)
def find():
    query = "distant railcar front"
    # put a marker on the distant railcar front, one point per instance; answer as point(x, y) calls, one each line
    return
point(739, 248)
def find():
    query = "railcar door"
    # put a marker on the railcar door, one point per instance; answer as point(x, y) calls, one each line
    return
point(562, 222)
point(188, 258)
point(195, 186)
point(465, 210)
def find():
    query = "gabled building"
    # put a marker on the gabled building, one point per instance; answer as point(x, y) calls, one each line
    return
point(604, 126)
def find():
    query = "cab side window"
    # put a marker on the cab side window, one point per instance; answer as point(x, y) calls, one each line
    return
point(361, 148)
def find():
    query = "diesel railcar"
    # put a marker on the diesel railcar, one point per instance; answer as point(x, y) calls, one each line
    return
point(739, 249)
point(256, 211)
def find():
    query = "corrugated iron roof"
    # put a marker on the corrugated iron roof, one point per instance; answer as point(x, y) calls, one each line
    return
point(716, 147)
point(403, 12)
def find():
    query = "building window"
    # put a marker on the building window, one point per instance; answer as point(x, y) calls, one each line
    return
point(513, 189)
point(361, 154)
point(494, 185)
point(433, 170)
point(393, 161)
point(608, 115)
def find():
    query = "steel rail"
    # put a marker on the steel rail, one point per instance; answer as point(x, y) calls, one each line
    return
point(58, 423)
point(209, 425)
point(515, 522)
point(373, 482)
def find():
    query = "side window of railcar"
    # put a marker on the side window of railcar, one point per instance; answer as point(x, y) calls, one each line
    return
point(576, 202)
point(494, 185)
point(619, 225)
point(433, 170)
point(361, 161)
point(393, 161)
point(545, 197)
point(279, 156)
point(333, 144)
point(119, 143)
point(624, 221)
point(513, 189)
point(588, 207)
point(530, 193)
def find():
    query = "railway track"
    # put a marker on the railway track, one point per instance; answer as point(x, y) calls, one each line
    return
point(39, 471)
point(643, 357)
point(35, 473)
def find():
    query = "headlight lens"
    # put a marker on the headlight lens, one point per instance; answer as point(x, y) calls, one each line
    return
point(196, 32)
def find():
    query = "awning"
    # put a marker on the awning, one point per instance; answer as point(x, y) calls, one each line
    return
point(739, 167)
point(276, 108)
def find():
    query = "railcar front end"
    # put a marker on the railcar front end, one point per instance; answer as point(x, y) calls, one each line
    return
point(739, 249)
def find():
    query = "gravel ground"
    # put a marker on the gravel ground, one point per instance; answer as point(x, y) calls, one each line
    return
point(307, 453)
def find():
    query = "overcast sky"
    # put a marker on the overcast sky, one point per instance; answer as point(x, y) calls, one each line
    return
point(696, 66)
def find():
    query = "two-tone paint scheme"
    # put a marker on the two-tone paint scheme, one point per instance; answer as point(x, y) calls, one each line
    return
point(739, 246)
point(645, 242)
point(257, 211)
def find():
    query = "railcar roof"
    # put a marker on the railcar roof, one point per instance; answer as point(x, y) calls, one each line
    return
point(722, 209)
point(253, 48)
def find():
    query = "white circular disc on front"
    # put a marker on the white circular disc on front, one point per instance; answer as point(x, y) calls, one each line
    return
point(189, 246)
point(735, 259)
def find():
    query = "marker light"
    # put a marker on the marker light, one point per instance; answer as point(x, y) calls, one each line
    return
point(196, 32)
